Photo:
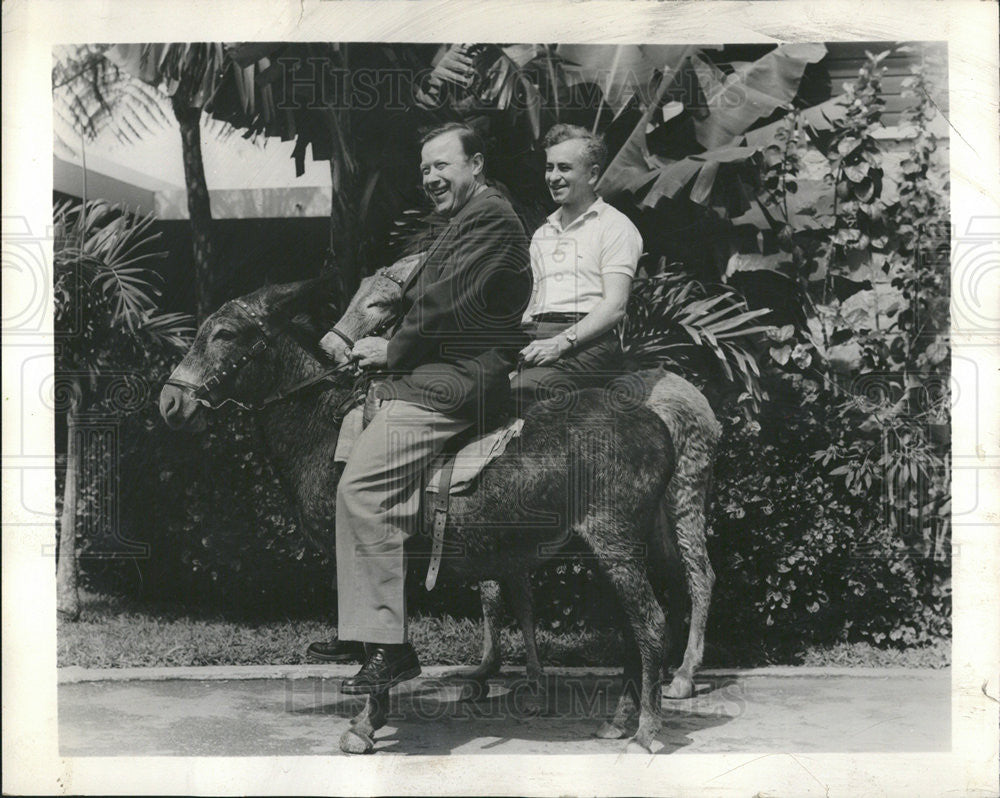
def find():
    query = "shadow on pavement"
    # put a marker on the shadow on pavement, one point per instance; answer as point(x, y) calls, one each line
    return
point(429, 716)
point(864, 711)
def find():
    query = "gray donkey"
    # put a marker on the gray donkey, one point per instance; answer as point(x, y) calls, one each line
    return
point(645, 446)
point(680, 522)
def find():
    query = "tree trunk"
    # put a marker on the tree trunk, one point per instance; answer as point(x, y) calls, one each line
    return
point(67, 591)
point(344, 221)
point(199, 207)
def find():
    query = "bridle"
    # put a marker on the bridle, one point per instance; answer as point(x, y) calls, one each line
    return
point(208, 393)
point(384, 325)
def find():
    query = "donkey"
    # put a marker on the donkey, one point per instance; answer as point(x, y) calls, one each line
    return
point(680, 522)
point(257, 352)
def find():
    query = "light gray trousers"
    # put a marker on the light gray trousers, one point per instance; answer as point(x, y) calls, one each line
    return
point(378, 509)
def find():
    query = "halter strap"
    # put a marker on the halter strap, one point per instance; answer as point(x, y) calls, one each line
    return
point(343, 337)
point(206, 393)
point(308, 382)
point(390, 277)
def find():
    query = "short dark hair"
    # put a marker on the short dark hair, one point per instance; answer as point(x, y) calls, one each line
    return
point(595, 150)
point(472, 142)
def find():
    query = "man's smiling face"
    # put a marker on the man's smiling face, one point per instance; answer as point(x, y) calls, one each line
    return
point(450, 177)
point(569, 174)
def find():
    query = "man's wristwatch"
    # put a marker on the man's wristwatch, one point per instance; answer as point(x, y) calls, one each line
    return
point(570, 335)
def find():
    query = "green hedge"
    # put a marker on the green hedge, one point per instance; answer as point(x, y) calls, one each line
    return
point(219, 530)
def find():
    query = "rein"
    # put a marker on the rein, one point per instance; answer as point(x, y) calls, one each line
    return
point(207, 394)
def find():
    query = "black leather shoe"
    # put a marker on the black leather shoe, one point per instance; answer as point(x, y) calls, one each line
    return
point(337, 650)
point(387, 665)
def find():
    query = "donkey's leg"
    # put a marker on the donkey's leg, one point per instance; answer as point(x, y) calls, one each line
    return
point(645, 618)
point(686, 500)
point(669, 579)
point(628, 702)
point(489, 665)
point(517, 590)
point(360, 737)
point(649, 627)
point(474, 684)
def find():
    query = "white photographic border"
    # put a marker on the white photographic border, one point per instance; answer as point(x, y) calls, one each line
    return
point(30, 752)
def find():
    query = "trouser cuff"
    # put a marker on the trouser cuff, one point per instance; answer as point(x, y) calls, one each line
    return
point(372, 634)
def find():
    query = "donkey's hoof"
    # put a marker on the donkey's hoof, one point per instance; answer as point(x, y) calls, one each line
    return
point(352, 742)
point(534, 706)
point(634, 746)
point(644, 740)
point(609, 731)
point(680, 688)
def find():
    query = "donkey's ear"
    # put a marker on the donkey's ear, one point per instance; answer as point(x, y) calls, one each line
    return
point(291, 298)
point(315, 299)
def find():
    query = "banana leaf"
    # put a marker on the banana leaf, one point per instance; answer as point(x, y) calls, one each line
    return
point(761, 87)
point(199, 66)
point(622, 70)
point(754, 91)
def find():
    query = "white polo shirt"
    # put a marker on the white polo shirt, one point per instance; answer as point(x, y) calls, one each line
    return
point(568, 263)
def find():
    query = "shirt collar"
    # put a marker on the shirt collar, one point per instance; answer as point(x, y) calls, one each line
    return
point(595, 209)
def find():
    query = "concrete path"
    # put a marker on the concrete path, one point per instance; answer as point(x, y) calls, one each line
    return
point(301, 711)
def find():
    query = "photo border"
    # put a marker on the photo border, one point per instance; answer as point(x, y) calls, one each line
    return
point(30, 753)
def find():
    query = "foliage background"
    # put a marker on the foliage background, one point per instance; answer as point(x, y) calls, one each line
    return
point(798, 274)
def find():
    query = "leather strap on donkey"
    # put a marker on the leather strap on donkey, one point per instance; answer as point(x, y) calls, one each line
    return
point(454, 470)
point(434, 513)
point(440, 521)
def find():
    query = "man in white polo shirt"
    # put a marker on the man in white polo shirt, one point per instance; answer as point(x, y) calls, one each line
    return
point(583, 260)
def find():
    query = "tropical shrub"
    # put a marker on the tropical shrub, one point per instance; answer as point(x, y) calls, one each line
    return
point(217, 528)
point(801, 560)
point(875, 268)
point(108, 324)
point(859, 379)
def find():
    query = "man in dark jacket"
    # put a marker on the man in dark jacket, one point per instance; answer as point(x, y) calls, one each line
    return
point(449, 363)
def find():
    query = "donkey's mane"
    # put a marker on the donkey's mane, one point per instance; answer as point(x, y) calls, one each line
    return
point(306, 319)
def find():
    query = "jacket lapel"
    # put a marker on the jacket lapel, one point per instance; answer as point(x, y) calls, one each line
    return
point(487, 192)
point(427, 256)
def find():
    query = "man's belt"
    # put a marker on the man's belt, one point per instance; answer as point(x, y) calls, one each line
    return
point(558, 318)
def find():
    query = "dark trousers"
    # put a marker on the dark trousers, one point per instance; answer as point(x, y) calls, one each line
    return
point(589, 365)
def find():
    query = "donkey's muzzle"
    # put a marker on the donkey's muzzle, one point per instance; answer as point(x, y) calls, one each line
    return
point(176, 406)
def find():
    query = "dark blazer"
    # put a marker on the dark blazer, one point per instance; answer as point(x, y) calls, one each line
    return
point(460, 333)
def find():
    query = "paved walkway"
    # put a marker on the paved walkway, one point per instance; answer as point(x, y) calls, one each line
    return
point(301, 711)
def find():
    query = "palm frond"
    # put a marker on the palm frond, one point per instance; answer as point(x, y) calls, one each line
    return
point(125, 89)
point(91, 94)
point(169, 330)
point(103, 248)
point(679, 322)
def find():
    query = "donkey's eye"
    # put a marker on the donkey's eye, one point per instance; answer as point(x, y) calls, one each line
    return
point(223, 334)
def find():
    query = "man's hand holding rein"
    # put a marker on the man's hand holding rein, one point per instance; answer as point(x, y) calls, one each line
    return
point(371, 352)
